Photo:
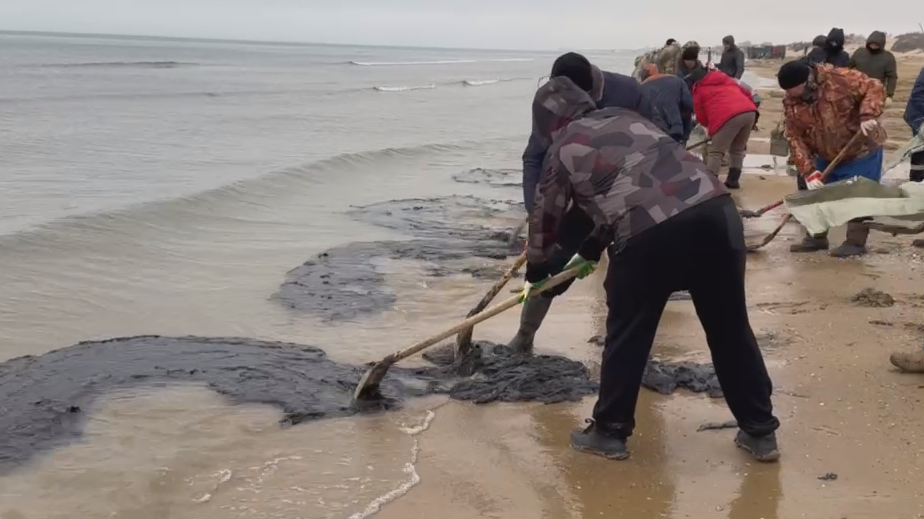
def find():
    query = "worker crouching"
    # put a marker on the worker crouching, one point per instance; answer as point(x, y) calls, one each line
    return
point(668, 225)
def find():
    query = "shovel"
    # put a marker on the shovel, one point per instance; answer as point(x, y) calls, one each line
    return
point(368, 387)
point(824, 175)
point(464, 339)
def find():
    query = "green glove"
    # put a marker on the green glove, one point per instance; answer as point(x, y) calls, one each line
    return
point(529, 288)
point(585, 267)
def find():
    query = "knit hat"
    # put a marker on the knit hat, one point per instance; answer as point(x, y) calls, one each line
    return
point(793, 74)
point(690, 54)
point(670, 41)
point(576, 68)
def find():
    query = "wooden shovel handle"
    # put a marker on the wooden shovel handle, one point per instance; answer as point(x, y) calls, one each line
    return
point(833, 164)
point(483, 316)
point(464, 339)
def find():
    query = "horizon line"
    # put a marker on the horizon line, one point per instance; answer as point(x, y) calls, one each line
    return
point(60, 34)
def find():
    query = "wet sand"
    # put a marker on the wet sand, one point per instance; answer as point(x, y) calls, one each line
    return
point(844, 411)
point(185, 452)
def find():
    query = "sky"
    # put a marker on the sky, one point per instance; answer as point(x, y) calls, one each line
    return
point(498, 24)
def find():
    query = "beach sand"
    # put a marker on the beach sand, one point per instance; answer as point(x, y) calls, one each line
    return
point(851, 425)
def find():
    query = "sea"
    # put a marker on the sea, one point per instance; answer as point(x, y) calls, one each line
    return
point(155, 186)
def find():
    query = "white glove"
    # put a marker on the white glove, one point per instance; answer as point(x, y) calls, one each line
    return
point(814, 181)
point(710, 66)
point(869, 126)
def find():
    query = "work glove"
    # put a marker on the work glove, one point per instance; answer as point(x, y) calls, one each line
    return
point(888, 101)
point(814, 180)
point(584, 267)
point(529, 288)
point(868, 127)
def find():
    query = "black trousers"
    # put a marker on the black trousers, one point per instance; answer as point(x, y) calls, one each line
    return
point(576, 226)
point(917, 167)
point(701, 250)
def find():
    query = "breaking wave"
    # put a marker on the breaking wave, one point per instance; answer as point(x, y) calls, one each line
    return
point(404, 88)
point(434, 62)
point(485, 82)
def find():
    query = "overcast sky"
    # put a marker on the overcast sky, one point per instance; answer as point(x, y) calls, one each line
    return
point(510, 24)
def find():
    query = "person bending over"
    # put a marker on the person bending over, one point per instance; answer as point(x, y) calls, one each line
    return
point(824, 108)
point(667, 225)
point(728, 113)
point(606, 89)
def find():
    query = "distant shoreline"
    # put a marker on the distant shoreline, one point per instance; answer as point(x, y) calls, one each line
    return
point(144, 37)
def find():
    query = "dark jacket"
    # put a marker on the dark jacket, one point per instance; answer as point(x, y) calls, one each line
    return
point(834, 53)
point(671, 97)
point(732, 61)
point(610, 90)
point(684, 71)
point(877, 64)
point(614, 165)
point(914, 111)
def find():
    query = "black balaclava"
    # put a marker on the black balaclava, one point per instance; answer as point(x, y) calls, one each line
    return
point(834, 43)
point(576, 68)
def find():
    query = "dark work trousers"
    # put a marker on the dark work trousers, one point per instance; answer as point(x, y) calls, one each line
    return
point(575, 227)
point(917, 167)
point(701, 250)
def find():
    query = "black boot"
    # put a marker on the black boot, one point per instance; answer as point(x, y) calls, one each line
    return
point(764, 448)
point(596, 440)
point(531, 317)
point(916, 175)
point(811, 243)
point(855, 242)
point(731, 180)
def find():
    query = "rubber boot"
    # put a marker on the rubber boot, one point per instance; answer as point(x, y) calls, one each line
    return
point(534, 311)
point(855, 244)
point(916, 175)
point(909, 362)
point(811, 243)
point(731, 180)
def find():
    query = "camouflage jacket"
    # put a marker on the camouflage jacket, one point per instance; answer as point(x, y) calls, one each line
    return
point(665, 58)
point(614, 164)
point(822, 127)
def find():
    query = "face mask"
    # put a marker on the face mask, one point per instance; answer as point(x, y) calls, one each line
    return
point(810, 92)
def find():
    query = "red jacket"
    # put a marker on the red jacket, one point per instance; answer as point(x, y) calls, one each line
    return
point(717, 98)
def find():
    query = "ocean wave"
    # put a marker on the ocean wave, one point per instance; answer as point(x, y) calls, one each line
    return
point(258, 190)
point(485, 82)
point(434, 62)
point(127, 64)
point(404, 88)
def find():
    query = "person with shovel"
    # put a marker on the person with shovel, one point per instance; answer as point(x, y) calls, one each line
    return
point(824, 108)
point(668, 224)
point(607, 90)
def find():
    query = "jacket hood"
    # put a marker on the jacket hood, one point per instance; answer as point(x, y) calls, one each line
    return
point(556, 104)
point(596, 92)
point(877, 37)
point(728, 40)
point(715, 78)
point(651, 73)
point(819, 40)
point(835, 39)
